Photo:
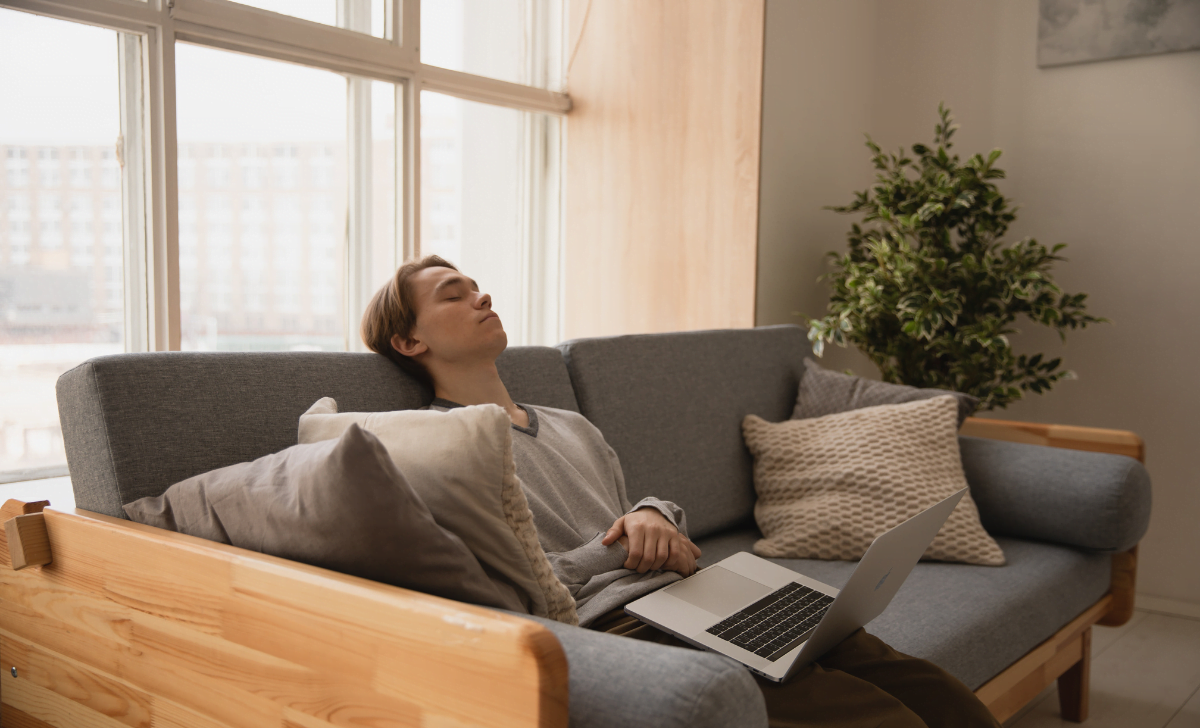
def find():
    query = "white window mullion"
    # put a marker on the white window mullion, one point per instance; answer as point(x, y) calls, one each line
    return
point(131, 150)
point(162, 251)
point(410, 163)
point(408, 136)
point(355, 15)
point(409, 36)
point(130, 15)
point(232, 26)
point(492, 91)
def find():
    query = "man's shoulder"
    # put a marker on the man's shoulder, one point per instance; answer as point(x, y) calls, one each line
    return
point(567, 419)
point(555, 414)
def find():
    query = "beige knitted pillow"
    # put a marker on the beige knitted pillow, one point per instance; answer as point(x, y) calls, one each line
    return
point(827, 486)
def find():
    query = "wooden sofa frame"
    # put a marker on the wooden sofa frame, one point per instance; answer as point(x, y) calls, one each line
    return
point(109, 623)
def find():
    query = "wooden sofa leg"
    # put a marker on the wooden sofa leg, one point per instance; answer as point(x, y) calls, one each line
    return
point(1073, 684)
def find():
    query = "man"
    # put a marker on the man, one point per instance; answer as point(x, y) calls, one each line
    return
point(434, 323)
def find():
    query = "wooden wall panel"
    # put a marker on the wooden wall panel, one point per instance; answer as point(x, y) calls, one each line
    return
point(662, 165)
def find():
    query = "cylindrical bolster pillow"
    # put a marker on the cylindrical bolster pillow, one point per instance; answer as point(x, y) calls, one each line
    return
point(1091, 500)
point(621, 681)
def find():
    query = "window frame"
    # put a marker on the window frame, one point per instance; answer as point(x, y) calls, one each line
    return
point(153, 321)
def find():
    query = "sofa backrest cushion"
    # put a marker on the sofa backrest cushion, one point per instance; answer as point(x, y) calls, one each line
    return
point(671, 406)
point(134, 424)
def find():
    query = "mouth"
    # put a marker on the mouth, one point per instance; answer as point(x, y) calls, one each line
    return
point(490, 315)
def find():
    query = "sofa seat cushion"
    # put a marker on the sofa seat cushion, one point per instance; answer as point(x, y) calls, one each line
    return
point(973, 621)
point(619, 681)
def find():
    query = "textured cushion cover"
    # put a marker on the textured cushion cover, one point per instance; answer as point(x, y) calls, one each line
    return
point(1087, 499)
point(824, 392)
point(671, 406)
point(973, 621)
point(461, 464)
point(619, 681)
point(828, 486)
point(340, 504)
point(134, 424)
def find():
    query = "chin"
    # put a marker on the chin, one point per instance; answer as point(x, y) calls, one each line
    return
point(497, 342)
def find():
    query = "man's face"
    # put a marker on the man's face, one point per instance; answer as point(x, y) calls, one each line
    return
point(455, 322)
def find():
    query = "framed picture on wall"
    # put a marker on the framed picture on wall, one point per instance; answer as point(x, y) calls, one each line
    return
point(1079, 31)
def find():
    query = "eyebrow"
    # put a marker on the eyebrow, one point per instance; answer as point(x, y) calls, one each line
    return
point(454, 281)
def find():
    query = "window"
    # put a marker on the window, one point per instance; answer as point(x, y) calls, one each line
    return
point(273, 100)
point(81, 168)
point(48, 167)
point(510, 40)
point(16, 165)
point(480, 207)
point(308, 163)
point(326, 12)
point(59, 304)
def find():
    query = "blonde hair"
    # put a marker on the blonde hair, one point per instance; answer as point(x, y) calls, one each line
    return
point(391, 312)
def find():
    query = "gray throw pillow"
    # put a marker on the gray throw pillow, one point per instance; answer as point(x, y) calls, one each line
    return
point(824, 392)
point(340, 504)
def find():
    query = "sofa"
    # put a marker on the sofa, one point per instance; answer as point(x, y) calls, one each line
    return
point(103, 618)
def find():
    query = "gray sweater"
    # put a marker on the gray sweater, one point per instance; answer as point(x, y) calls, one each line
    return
point(575, 489)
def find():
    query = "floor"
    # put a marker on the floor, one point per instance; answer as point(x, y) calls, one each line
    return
point(1145, 674)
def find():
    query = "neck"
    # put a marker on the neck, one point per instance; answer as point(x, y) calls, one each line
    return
point(470, 384)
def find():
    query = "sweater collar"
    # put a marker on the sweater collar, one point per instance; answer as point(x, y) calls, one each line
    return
point(532, 430)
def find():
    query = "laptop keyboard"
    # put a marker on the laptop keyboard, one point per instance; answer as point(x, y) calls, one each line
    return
point(776, 623)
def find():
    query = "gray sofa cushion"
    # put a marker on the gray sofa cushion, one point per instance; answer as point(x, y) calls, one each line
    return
point(133, 424)
point(1085, 499)
point(536, 375)
point(340, 504)
point(620, 681)
point(824, 392)
point(671, 405)
point(973, 621)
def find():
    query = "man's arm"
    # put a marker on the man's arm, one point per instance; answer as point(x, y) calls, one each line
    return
point(653, 542)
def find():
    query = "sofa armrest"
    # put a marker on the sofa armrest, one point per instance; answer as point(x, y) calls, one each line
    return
point(164, 628)
point(620, 681)
point(1069, 437)
point(1090, 500)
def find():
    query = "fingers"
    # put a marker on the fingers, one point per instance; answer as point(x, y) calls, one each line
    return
point(681, 559)
point(615, 531)
point(653, 543)
point(690, 558)
point(663, 551)
point(636, 538)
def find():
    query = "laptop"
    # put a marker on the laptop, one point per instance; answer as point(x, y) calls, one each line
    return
point(774, 620)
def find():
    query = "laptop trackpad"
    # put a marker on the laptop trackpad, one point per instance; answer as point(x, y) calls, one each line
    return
point(718, 590)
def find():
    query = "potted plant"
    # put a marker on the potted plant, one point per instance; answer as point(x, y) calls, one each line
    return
point(929, 290)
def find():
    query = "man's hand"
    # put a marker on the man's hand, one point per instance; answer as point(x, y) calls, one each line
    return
point(653, 543)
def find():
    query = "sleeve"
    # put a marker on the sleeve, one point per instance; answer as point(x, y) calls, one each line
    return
point(670, 511)
point(577, 567)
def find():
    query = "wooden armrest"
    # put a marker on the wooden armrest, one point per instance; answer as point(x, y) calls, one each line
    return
point(1092, 439)
point(147, 626)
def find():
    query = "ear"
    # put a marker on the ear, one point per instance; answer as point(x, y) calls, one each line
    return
point(408, 347)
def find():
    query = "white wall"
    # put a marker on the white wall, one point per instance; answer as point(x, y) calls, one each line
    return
point(1103, 156)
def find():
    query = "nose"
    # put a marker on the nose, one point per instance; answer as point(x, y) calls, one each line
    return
point(485, 300)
